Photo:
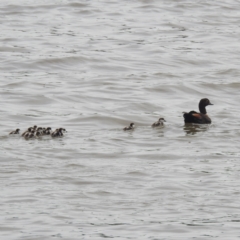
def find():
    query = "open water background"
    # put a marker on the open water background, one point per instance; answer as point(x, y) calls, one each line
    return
point(93, 67)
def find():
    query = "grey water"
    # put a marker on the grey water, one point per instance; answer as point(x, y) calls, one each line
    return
point(93, 67)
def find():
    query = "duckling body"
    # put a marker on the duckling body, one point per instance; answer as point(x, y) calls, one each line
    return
point(15, 131)
point(39, 129)
point(63, 130)
point(130, 127)
point(160, 122)
point(27, 131)
point(29, 134)
point(38, 134)
point(47, 131)
point(34, 127)
point(58, 132)
point(200, 118)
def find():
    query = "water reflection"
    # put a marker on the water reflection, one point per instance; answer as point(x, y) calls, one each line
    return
point(192, 129)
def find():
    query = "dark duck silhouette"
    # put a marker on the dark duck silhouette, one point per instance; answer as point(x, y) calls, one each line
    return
point(15, 131)
point(47, 131)
point(58, 132)
point(160, 122)
point(29, 134)
point(130, 127)
point(200, 118)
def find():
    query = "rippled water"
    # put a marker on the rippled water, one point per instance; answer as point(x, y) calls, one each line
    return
point(93, 67)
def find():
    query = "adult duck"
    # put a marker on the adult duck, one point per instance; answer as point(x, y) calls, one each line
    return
point(200, 118)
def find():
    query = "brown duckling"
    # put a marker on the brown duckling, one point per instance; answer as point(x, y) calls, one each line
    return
point(160, 122)
point(28, 130)
point(130, 127)
point(56, 133)
point(61, 131)
point(34, 127)
point(39, 130)
point(29, 134)
point(200, 118)
point(47, 131)
point(15, 131)
point(38, 134)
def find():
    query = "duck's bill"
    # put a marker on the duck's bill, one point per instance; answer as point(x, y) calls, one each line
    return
point(210, 104)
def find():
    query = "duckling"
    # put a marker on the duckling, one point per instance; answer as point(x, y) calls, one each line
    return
point(38, 134)
point(62, 130)
point(29, 134)
point(160, 122)
point(15, 131)
point(130, 127)
point(28, 130)
point(40, 130)
point(55, 133)
point(58, 132)
point(47, 131)
point(34, 127)
point(200, 118)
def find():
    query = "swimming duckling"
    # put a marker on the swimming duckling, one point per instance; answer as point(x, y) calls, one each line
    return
point(38, 134)
point(34, 127)
point(28, 130)
point(200, 118)
point(58, 132)
point(160, 122)
point(47, 131)
point(29, 134)
point(15, 131)
point(40, 130)
point(62, 130)
point(130, 127)
point(55, 133)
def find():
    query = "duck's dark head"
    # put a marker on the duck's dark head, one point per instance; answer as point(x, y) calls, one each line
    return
point(203, 103)
point(131, 124)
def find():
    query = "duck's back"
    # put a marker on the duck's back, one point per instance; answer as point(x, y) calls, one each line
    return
point(195, 117)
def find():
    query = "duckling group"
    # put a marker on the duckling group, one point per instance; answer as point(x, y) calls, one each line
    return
point(36, 132)
point(190, 117)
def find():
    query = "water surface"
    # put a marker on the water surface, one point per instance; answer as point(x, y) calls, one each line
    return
point(93, 67)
